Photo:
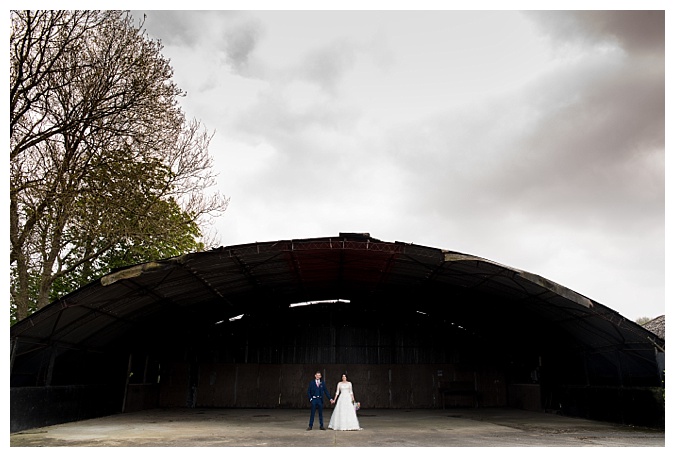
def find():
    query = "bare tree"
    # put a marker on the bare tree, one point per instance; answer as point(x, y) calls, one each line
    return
point(101, 155)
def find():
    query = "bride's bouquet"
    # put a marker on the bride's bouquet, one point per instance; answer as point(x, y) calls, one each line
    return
point(357, 405)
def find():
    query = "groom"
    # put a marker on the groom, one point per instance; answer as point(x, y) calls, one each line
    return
point(315, 392)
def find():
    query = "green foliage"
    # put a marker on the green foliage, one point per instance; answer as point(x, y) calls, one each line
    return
point(105, 171)
point(182, 236)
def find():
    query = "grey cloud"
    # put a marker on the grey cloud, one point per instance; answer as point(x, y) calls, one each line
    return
point(273, 117)
point(240, 42)
point(175, 27)
point(326, 66)
point(561, 151)
point(604, 148)
point(233, 35)
point(635, 31)
point(599, 156)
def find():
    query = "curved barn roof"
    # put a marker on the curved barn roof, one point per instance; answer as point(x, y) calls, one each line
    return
point(206, 287)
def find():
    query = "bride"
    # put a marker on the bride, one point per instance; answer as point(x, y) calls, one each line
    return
point(344, 415)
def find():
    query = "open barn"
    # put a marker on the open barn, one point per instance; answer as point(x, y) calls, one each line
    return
point(247, 326)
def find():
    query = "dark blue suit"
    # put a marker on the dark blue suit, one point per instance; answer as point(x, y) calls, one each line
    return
point(315, 395)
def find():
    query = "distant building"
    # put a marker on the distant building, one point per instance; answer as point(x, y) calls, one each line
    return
point(657, 326)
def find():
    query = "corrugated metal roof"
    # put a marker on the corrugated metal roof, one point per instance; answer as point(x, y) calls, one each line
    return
point(229, 281)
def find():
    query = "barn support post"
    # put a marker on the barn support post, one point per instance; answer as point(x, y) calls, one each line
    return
point(280, 385)
point(660, 357)
point(50, 366)
point(236, 378)
point(193, 381)
point(126, 382)
point(389, 386)
point(14, 342)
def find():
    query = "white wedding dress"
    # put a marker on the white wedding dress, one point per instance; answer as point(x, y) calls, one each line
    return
point(344, 415)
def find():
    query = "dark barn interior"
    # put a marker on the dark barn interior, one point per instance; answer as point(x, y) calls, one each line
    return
point(413, 327)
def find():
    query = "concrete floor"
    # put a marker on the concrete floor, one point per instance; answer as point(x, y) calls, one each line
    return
point(381, 428)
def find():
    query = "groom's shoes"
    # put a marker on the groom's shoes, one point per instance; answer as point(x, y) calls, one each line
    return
point(309, 428)
point(322, 428)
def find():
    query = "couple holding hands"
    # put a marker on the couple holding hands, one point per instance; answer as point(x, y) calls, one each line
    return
point(344, 415)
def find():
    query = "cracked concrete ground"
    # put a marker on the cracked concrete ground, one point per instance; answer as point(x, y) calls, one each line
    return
point(381, 428)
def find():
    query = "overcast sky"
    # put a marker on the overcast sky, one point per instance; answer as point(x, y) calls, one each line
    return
point(535, 140)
